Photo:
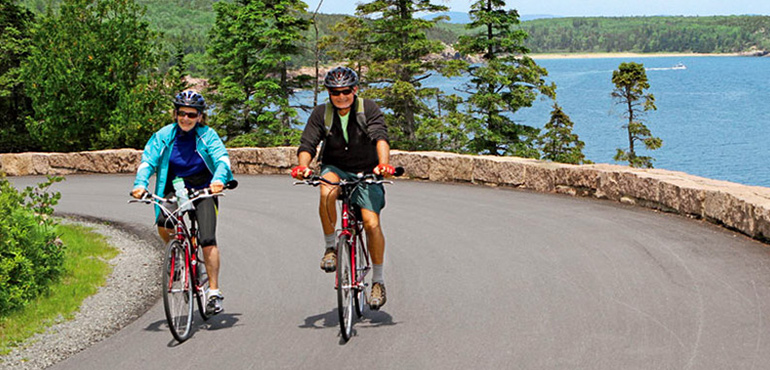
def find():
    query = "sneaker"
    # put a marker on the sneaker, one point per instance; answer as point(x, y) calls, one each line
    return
point(214, 304)
point(329, 260)
point(378, 297)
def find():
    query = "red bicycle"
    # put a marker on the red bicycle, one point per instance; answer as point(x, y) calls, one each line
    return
point(184, 273)
point(353, 261)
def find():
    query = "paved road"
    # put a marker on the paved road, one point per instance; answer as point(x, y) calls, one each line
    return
point(477, 278)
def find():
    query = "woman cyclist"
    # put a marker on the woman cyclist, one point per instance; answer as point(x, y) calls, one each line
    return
point(192, 151)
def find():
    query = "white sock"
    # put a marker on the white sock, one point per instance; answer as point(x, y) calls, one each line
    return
point(213, 292)
point(330, 240)
point(378, 274)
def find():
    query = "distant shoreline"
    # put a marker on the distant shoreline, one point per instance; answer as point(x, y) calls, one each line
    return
point(629, 55)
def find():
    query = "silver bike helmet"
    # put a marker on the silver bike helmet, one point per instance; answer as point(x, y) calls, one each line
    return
point(341, 77)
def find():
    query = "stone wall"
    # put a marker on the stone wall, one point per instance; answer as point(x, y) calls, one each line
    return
point(737, 207)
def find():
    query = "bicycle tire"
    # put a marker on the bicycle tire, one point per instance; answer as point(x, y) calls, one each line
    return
point(202, 284)
point(360, 298)
point(177, 295)
point(344, 288)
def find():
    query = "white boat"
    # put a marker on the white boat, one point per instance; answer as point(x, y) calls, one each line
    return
point(679, 66)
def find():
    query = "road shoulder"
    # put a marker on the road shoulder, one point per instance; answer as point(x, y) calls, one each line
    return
point(131, 289)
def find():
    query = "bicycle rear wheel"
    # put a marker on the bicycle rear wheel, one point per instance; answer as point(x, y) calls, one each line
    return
point(177, 291)
point(202, 284)
point(344, 287)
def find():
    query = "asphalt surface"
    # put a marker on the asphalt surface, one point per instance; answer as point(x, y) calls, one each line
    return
point(477, 277)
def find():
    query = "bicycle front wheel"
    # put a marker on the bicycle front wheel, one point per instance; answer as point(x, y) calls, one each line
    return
point(345, 287)
point(177, 291)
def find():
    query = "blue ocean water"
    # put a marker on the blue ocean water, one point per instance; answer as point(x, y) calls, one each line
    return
point(712, 116)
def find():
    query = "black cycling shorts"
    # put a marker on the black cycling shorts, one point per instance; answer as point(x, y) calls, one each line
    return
point(206, 211)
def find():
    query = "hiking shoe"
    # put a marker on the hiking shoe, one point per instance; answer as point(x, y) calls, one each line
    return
point(378, 297)
point(329, 260)
point(214, 304)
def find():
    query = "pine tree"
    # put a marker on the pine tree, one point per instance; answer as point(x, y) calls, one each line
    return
point(630, 81)
point(507, 80)
point(449, 129)
point(250, 52)
point(399, 48)
point(559, 143)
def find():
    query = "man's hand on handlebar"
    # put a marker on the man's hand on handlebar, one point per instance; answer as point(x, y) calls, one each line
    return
point(301, 172)
point(384, 170)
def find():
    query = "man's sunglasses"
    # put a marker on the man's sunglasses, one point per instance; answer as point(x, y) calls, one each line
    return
point(343, 92)
point(192, 115)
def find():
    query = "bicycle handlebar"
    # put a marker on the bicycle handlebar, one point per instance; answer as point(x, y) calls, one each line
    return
point(150, 198)
point(194, 194)
point(370, 178)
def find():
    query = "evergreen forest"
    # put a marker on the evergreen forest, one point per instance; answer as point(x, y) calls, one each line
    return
point(185, 25)
point(112, 66)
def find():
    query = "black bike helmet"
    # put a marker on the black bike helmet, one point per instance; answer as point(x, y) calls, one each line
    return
point(190, 99)
point(341, 77)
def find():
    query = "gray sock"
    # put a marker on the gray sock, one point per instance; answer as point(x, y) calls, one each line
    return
point(378, 274)
point(330, 241)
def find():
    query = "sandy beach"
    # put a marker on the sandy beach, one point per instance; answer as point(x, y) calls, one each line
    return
point(626, 55)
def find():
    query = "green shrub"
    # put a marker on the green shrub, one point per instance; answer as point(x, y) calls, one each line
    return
point(31, 257)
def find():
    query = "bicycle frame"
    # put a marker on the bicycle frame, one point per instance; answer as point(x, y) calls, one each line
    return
point(183, 233)
point(186, 236)
point(353, 228)
point(353, 259)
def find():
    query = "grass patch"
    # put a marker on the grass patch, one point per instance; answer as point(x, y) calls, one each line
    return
point(86, 269)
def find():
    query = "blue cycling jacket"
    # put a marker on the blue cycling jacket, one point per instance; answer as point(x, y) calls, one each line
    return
point(155, 158)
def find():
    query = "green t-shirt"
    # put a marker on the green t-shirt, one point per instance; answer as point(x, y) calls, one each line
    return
point(344, 122)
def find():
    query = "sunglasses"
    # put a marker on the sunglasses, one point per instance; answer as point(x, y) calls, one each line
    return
point(343, 92)
point(192, 115)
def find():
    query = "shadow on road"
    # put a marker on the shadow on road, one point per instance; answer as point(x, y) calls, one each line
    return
point(159, 325)
point(327, 320)
point(370, 319)
point(222, 321)
point(331, 319)
point(373, 319)
point(218, 322)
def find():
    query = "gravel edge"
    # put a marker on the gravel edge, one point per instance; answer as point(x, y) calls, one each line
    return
point(130, 290)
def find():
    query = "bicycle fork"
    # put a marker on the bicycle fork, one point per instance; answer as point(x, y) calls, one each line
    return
point(185, 277)
point(351, 234)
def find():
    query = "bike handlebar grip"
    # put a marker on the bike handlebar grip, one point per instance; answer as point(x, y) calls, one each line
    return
point(232, 184)
point(399, 171)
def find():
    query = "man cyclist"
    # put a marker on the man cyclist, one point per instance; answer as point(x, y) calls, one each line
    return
point(194, 152)
point(349, 147)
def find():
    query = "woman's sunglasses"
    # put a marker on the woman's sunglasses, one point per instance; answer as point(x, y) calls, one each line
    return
point(192, 115)
point(343, 92)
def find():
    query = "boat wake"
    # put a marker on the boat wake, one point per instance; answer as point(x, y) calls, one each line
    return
point(674, 68)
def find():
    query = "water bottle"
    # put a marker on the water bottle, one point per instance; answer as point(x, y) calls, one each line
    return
point(181, 194)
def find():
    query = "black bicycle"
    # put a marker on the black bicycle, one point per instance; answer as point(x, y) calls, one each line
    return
point(353, 261)
point(184, 273)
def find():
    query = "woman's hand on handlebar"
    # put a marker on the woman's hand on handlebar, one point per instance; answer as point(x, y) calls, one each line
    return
point(217, 187)
point(138, 193)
